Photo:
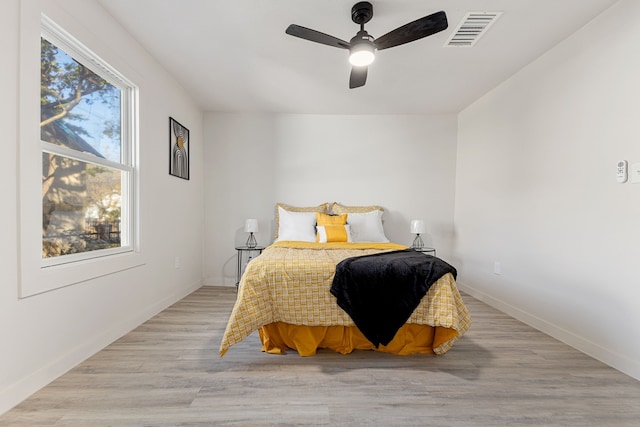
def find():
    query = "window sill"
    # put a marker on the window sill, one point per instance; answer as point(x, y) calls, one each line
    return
point(37, 280)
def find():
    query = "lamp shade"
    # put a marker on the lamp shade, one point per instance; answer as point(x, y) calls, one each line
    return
point(417, 226)
point(251, 225)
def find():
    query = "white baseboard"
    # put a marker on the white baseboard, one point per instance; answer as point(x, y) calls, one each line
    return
point(217, 285)
point(19, 391)
point(604, 355)
point(212, 281)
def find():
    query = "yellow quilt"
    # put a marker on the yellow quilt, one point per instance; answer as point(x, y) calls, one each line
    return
point(290, 281)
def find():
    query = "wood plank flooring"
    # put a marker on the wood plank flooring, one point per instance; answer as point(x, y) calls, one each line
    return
point(167, 372)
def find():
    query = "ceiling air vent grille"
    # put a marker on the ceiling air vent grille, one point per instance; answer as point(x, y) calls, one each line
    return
point(471, 28)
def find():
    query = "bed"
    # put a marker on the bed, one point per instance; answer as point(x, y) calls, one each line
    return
point(286, 293)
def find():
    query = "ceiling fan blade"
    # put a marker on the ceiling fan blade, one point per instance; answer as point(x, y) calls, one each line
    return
point(358, 77)
point(412, 31)
point(316, 36)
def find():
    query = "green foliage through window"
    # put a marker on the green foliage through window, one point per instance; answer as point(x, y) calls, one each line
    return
point(82, 194)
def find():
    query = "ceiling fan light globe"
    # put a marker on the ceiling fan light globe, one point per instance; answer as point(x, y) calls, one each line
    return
point(361, 57)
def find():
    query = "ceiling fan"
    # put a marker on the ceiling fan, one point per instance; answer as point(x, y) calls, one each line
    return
point(362, 46)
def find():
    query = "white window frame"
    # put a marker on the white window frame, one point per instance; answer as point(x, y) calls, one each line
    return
point(45, 274)
point(59, 38)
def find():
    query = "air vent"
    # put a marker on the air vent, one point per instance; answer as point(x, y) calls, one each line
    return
point(471, 28)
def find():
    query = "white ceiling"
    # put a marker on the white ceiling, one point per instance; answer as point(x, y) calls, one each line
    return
point(234, 56)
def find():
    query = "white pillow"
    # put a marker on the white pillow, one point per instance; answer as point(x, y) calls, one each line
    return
point(298, 226)
point(367, 226)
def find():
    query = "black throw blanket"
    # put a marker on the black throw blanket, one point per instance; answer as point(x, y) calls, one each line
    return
point(380, 291)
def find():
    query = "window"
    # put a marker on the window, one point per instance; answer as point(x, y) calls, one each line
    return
point(87, 162)
point(78, 174)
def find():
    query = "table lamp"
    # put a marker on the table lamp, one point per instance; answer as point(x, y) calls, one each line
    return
point(417, 228)
point(251, 226)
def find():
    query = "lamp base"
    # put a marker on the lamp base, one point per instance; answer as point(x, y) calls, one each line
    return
point(417, 242)
point(251, 241)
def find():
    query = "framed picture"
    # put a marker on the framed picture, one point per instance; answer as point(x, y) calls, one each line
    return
point(178, 149)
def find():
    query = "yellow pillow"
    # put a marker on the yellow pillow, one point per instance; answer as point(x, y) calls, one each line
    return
point(333, 233)
point(332, 228)
point(324, 219)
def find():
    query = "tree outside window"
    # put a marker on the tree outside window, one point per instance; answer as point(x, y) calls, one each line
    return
point(85, 170)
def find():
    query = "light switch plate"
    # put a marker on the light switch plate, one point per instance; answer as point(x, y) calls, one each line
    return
point(634, 173)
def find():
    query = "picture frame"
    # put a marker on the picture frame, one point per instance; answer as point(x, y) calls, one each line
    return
point(179, 143)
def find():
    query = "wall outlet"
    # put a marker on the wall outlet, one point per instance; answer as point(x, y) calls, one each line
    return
point(497, 268)
point(176, 263)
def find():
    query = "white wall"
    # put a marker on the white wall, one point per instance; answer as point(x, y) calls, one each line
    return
point(404, 163)
point(44, 335)
point(239, 173)
point(536, 191)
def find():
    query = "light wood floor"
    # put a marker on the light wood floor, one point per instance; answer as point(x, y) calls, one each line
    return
point(167, 372)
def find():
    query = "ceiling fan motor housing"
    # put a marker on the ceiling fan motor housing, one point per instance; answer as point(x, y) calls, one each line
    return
point(362, 50)
point(362, 37)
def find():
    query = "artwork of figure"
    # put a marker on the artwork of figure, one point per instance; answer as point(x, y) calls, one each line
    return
point(179, 146)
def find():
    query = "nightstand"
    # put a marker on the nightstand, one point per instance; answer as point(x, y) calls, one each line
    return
point(426, 250)
point(242, 250)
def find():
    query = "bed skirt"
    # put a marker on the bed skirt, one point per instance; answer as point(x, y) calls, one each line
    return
point(410, 339)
